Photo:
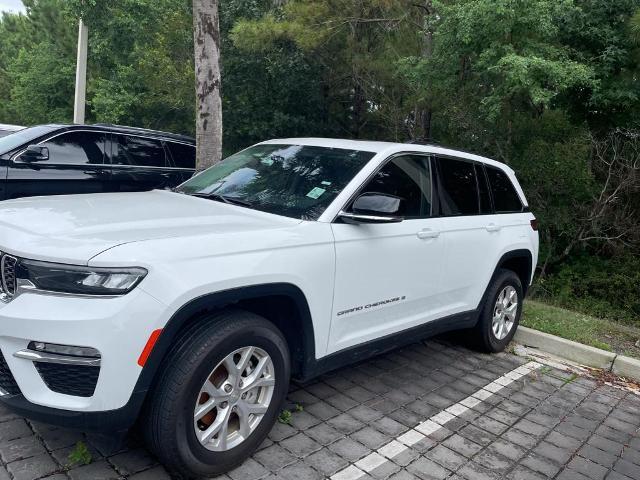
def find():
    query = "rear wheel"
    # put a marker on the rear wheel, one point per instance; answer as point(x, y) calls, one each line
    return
point(219, 394)
point(501, 312)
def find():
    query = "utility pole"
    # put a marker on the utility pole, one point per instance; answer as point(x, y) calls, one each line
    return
point(81, 74)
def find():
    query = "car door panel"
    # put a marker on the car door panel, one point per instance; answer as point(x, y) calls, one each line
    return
point(388, 275)
point(139, 164)
point(470, 232)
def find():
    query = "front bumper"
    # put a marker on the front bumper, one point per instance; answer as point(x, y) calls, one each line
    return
point(117, 327)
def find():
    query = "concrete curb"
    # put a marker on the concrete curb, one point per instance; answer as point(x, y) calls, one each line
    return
point(576, 352)
point(627, 367)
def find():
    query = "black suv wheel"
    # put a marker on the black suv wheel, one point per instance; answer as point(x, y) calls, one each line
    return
point(219, 394)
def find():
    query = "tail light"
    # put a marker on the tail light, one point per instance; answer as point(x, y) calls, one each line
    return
point(534, 225)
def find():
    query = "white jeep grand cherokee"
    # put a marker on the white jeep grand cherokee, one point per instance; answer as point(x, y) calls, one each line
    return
point(192, 308)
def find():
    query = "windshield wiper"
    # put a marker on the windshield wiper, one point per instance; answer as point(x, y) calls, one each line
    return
point(223, 198)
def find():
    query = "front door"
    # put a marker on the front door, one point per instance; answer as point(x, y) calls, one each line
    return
point(388, 275)
point(75, 165)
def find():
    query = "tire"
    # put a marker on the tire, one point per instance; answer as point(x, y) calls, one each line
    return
point(169, 424)
point(486, 338)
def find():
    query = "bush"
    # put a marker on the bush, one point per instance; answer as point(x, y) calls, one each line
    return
point(606, 288)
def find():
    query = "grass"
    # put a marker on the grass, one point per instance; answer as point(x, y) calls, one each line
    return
point(597, 332)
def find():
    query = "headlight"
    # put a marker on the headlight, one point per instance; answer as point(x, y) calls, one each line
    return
point(54, 277)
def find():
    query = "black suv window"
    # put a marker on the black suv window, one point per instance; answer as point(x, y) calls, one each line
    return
point(485, 198)
point(458, 187)
point(407, 177)
point(76, 148)
point(505, 197)
point(138, 151)
point(182, 155)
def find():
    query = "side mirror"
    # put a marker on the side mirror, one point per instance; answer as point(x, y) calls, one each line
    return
point(35, 153)
point(374, 208)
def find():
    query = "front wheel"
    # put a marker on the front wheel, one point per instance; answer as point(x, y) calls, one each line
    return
point(219, 394)
point(501, 312)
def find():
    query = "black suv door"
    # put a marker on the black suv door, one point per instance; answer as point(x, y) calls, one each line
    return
point(141, 163)
point(76, 164)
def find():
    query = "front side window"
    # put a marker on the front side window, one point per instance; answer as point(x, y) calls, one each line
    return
point(76, 148)
point(458, 187)
point(295, 181)
point(505, 197)
point(409, 178)
point(138, 151)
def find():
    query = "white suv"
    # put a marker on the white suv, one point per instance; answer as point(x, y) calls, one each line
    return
point(192, 308)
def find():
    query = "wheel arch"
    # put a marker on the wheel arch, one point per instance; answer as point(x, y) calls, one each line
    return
point(283, 304)
point(521, 263)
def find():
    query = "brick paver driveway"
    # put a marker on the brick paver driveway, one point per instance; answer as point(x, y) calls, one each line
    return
point(432, 410)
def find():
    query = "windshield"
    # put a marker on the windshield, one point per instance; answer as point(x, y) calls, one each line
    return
point(21, 137)
point(292, 180)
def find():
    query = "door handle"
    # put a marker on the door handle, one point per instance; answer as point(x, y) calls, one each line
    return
point(428, 233)
point(492, 227)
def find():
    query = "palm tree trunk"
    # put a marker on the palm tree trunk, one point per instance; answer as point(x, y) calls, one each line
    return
point(206, 40)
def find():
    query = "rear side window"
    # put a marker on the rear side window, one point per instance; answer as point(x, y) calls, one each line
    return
point(138, 151)
point(458, 187)
point(182, 155)
point(505, 197)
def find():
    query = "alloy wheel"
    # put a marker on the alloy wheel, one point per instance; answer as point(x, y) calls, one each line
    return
point(234, 399)
point(504, 312)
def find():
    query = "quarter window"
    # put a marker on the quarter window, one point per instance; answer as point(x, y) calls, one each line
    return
point(505, 197)
point(458, 187)
point(409, 178)
point(76, 148)
point(138, 151)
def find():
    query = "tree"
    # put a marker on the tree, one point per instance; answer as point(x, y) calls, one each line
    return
point(206, 39)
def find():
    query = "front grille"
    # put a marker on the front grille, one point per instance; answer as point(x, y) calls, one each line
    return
point(8, 270)
point(77, 380)
point(7, 382)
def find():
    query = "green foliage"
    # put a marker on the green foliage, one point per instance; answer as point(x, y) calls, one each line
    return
point(80, 455)
point(589, 330)
point(533, 83)
point(285, 417)
point(603, 287)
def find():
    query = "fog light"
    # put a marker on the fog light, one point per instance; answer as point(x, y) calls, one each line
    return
point(69, 350)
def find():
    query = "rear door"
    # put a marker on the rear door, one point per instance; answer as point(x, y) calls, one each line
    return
point(140, 164)
point(76, 164)
point(470, 232)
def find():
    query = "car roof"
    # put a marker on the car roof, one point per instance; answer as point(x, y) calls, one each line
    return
point(387, 148)
point(10, 128)
point(125, 129)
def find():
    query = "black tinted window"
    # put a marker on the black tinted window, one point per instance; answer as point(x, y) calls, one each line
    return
point(409, 178)
point(138, 151)
point(182, 155)
point(505, 197)
point(77, 148)
point(485, 199)
point(459, 189)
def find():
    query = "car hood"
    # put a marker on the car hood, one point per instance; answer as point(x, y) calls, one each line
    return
point(75, 228)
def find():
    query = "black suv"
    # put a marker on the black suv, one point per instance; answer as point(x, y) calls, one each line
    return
point(62, 159)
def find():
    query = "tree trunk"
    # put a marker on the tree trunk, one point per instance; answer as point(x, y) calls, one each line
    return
point(206, 41)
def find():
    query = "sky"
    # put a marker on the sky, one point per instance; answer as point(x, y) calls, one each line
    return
point(11, 6)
